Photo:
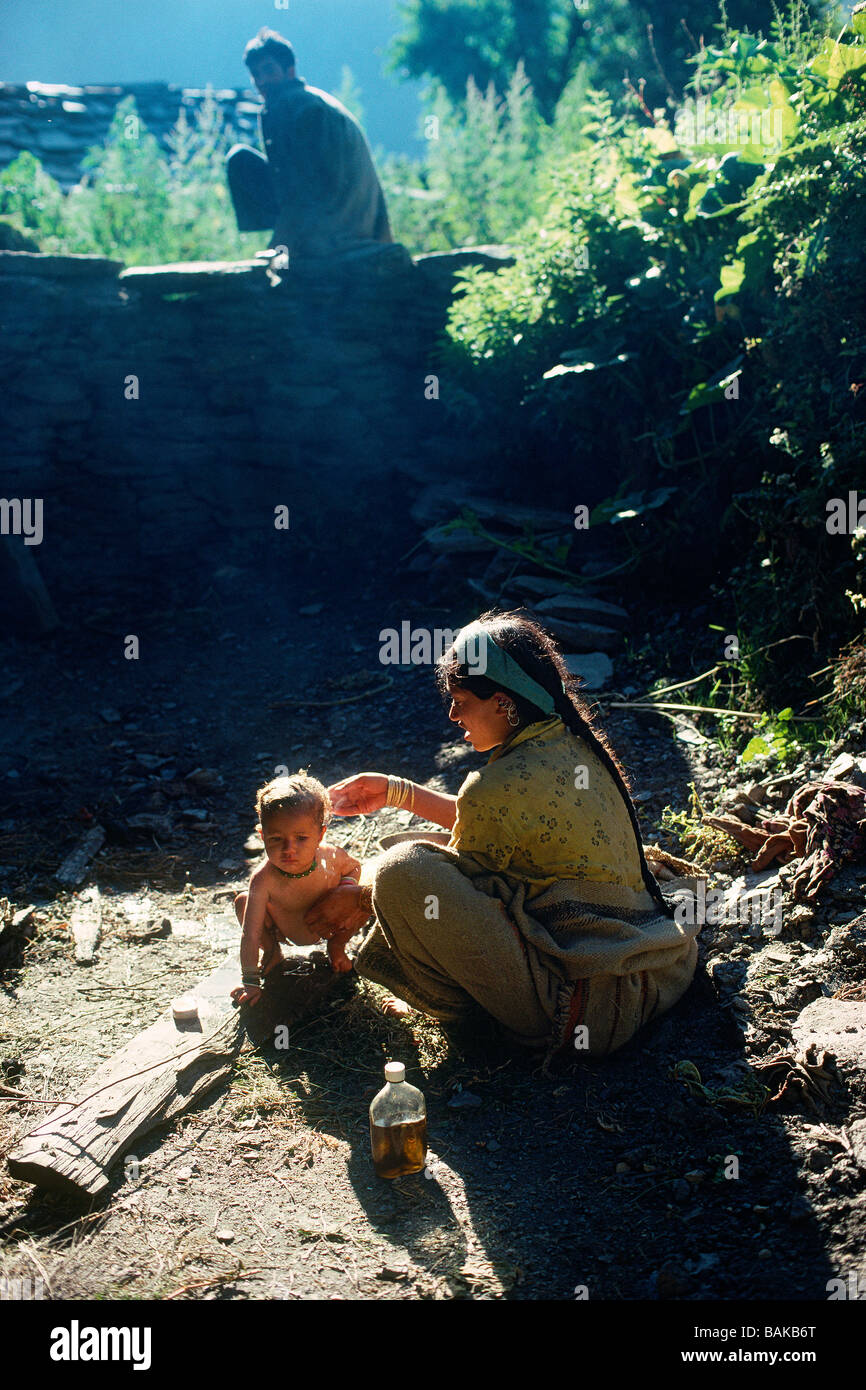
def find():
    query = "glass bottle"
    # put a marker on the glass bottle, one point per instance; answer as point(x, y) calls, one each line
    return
point(398, 1125)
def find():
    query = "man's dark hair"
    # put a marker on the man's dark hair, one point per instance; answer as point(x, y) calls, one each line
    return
point(269, 44)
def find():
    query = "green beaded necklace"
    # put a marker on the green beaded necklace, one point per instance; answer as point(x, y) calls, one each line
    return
point(285, 873)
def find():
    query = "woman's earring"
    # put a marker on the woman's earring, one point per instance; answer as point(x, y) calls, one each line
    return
point(510, 710)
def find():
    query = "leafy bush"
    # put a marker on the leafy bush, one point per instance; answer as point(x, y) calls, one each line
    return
point(486, 171)
point(691, 302)
point(30, 199)
point(132, 202)
point(680, 341)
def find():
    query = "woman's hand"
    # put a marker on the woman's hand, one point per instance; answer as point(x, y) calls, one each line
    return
point(246, 994)
point(359, 796)
point(336, 911)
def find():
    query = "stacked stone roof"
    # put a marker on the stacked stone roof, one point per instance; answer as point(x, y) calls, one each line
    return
point(59, 124)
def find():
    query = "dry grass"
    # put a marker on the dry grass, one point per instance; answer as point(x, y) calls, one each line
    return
point(849, 675)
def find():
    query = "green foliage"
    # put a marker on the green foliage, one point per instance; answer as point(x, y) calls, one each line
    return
point(453, 40)
point(509, 320)
point(482, 178)
point(202, 220)
point(133, 202)
point(30, 198)
point(774, 742)
point(123, 201)
point(691, 300)
point(349, 93)
point(701, 843)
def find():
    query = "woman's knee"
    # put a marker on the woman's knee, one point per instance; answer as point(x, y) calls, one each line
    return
point(401, 869)
point(240, 905)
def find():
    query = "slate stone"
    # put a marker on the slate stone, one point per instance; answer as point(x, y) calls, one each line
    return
point(188, 277)
point(837, 1026)
point(574, 605)
point(594, 668)
point(581, 637)
point(58, 267)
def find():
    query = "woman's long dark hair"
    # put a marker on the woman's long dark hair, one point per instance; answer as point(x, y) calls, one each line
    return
point(535, 651)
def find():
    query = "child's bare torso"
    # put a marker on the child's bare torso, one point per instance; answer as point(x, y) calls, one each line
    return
point(290, 898)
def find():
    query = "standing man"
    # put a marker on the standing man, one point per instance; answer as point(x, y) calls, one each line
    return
point(317, 187)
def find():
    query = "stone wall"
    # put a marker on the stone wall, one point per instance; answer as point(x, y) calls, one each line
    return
point(163, 413)
point(59, 123)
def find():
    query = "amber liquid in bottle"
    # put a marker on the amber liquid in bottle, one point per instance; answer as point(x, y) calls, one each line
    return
point(399, 1149)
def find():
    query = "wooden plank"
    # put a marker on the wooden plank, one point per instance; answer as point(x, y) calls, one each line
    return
point(27, 585)
point(86, 924)
point(74, 1149)
point(76, 864)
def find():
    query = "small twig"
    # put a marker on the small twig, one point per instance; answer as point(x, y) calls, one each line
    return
point(700, 709)
point(328, 704)
point(127, 989)
point(691, 709)
point(699, 47)
point(656, 59)
point(31, 1255)
point(723, 665)
point(238, 1274)
point(7, 1093)
point(284, 1184)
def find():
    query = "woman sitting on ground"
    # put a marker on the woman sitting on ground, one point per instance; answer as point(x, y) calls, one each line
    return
point(540, 906)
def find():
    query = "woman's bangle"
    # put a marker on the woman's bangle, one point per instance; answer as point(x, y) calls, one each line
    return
point(347, 878)
point(251, 980)
point(400, 793)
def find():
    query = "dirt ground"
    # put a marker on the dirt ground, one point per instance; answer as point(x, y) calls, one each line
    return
point(608, 1179)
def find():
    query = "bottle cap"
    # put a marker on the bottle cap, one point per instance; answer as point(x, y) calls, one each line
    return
point(395, 1071)
point(184, 1007)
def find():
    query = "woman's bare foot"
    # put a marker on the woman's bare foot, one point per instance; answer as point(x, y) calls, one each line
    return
point(394, 1007)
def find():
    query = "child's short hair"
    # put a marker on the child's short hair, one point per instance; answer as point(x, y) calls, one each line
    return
point(300, 792)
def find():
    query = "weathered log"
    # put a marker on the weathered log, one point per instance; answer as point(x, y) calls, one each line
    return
point(76, 864)
point(156, 1077)
point(165, 1071)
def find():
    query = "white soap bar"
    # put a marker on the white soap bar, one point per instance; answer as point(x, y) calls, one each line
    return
point(185, 1006)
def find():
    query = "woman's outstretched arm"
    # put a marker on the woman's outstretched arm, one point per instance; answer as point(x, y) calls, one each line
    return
point(436, 806)
point(365, 794)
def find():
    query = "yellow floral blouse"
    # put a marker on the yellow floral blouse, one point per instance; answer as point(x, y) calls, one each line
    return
point(544, 808)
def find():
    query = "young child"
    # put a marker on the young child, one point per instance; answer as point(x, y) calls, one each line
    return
point(299, 868)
